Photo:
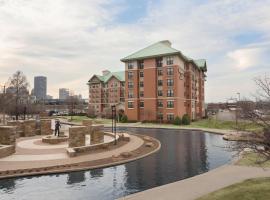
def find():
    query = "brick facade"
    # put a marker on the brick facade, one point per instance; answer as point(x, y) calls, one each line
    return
point(161, 87)
point(105, 91)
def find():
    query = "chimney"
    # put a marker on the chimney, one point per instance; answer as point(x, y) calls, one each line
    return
point(105, 72)
point(166, 42)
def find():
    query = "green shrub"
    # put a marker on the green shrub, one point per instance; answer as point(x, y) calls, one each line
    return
point(185, 119)
point(177, 121)
point(124, 119)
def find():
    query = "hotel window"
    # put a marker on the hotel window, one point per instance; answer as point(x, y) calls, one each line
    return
point(130, 65)
point(170, 117)
point(141, 104)
point(159, 62)
point(141, 64)
point(130, 75)
point(169, 82)
point(160, 103)
point(141, 84)
point(169, 60)
point(130, 94)
point(169, 71)
point(141, 74)
point(160, 72)
point(160, 82)
point(170, 93)
point(160, 116)
point(170, 104)
point(141, 93)
point(130, 84)
point(160, 94)
point(130, 104)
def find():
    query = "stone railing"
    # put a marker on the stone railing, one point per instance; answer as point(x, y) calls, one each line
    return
point(7, 140)
point(72, 152)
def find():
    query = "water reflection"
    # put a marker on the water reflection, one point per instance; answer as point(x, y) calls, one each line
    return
point(8, 185)
point(183, 154)
point(96, 173)
point(75, 177)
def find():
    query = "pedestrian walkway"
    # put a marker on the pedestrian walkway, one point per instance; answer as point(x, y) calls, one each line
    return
point(197, 186)
point(29, 160)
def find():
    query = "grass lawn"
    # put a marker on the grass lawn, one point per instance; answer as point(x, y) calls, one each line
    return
point(216, 124)
point(81, 118)
point(253, 189)
point(251, 159)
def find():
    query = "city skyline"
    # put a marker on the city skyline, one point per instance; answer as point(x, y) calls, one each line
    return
point(68, 43)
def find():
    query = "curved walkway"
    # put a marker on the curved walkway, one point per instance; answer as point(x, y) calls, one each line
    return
point(19, 161)
point(197, 186)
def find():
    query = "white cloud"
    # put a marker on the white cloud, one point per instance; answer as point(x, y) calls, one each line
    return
point(246, 58)
point(69, 41)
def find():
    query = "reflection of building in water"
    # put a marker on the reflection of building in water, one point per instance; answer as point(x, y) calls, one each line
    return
point(96, 173)
point(76, 177)
point(7, 185)
point(185, 157)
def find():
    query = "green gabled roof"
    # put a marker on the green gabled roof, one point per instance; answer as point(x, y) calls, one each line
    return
point(118, 75)
point(201, 63)
point(160, 49)
point(157, 49)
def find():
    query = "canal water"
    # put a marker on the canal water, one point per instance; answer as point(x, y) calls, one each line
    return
point(183, 154)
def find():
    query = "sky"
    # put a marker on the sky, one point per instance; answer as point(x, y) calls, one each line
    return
point(68, 41)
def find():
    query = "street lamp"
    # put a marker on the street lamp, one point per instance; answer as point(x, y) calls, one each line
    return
point(114, 122)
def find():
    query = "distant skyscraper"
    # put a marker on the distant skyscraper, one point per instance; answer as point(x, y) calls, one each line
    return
point(63, 93)
point(40, 87)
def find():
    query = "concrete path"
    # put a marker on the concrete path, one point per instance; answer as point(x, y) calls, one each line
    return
point(197, 186)
point(24, 161)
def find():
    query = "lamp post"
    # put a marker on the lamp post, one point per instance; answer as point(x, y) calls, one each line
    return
point(114, 122)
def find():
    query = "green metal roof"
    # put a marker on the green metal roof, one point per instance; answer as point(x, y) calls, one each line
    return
point(157, 49)
point(160, 49)
point(118, 75)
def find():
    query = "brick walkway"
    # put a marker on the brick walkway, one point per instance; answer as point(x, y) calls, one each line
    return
point(27, 158)
point(197, 186)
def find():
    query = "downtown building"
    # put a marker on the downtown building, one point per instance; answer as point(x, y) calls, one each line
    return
point(106, 90)
point(40, 87)
point(64, 93)
point(162, 83)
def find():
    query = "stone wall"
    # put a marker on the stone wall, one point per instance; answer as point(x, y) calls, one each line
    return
point(7, 135)
point(87, 122)
point(97, 134)
point(45, 127)
point(77, 136)
point(19, 128)
point(6, 150)
point(29, 128)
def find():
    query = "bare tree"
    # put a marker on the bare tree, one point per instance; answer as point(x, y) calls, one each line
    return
point(257, 112)
point(18, 86)
point(72, 102)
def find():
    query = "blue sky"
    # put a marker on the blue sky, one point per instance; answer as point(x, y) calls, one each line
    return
point(69, 41)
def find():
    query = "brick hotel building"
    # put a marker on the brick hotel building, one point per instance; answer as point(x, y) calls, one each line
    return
point(106, 90)
point(162, 83)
